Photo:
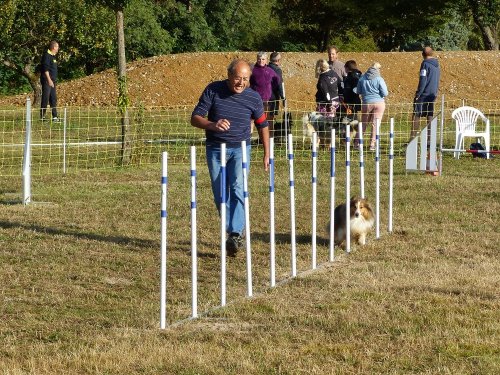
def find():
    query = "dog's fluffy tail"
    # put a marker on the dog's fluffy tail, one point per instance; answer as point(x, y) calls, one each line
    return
point(307, 128)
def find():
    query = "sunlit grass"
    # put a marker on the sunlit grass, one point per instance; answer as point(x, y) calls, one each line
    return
point(79, 278)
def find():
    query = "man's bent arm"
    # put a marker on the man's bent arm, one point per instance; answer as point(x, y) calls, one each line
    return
point(205, 124)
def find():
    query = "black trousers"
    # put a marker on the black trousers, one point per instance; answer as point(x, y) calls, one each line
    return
point(49, 96)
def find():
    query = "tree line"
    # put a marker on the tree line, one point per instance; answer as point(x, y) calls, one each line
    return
point(87, 30)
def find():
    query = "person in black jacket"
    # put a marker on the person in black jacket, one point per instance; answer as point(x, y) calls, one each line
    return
point(351, 97)
point(329, 88)
point(277, 92)
point(48, 79)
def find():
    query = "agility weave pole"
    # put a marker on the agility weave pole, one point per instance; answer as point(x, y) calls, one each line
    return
point(292, 207)
point(332, 198)
point(314, 179)
point(272, 232)
point(163, 245)
point(223, 224)
point(347, 189)
point(247, 218)
point(164, 181)
point(377, 179)
point(194, 238)
point(391, 173)
point(361, 161)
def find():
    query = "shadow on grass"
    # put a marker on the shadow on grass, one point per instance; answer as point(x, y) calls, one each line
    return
point(185, 248)
point(120, 240)
point(285, 238)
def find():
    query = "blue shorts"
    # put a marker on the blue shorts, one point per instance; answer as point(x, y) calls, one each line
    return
point(424, 106)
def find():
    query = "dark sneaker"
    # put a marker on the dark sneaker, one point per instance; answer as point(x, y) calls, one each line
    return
point(233, 243)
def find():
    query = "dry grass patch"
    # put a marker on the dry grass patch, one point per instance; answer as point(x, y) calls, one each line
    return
point(79, 280)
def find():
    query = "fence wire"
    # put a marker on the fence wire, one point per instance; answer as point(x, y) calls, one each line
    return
point(91, 138)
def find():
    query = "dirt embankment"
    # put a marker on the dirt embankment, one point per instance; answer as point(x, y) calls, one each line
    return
point(179, 79)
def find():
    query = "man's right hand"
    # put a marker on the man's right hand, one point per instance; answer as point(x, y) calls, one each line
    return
point(221, 125)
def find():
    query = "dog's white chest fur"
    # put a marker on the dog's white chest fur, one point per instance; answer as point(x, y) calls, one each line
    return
point(360, 223)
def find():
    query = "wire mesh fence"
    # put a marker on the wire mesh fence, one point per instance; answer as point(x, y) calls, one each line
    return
point(90, 138)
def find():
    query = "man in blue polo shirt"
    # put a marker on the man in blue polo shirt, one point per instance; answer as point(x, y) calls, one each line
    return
point(225, 111)
point(426, 94)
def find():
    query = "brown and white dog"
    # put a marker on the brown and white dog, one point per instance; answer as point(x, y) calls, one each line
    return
point(361, 222)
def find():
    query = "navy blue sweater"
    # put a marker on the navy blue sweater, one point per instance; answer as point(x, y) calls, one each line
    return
point(218, 102)
point(428, 84)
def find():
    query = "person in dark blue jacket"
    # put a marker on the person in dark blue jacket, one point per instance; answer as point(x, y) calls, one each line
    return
point(351, 97)
point(428, 85)
point(48, 80)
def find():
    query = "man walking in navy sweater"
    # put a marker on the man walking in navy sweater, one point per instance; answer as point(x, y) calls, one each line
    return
point(426, 94)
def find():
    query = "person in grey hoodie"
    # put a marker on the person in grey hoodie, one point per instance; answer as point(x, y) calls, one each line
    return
point(428, 85)
point(373, 89)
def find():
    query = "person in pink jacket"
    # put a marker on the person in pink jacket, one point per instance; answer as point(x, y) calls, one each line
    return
point(264, 80)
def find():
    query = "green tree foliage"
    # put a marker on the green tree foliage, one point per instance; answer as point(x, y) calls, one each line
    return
point(239, 24)
point(486, 15)
point(144, 35)
point(314, 24)
point(188, 27)
point(87, 33)
point(90, 40)
point(28, 34)
point(7, 11)
point(453, 35)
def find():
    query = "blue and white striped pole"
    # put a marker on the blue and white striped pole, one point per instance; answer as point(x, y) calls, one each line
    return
point(348, 189)
point(292, 206)
point(361, 161)
point(377, 179)
point(314, 196)
point(272, 235)
point(223, 223)
point(391, 172)
point(194, 248)
point(163, 244)
point(247, 217)
point(332, 197)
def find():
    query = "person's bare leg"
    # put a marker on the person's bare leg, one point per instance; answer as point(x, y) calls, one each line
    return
point(270, 120)
point(415, 126)
point(429, 119)
point(373, 140)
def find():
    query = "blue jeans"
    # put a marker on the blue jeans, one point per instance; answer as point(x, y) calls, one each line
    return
point(235, 200)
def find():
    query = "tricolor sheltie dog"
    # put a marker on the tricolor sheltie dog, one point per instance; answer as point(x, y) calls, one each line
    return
point(315, 122)
point(362, 220)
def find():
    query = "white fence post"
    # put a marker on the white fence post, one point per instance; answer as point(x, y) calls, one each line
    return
point(27, 156)
point(64, 140)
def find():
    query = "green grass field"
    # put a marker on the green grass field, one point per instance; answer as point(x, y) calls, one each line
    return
point(79, 278)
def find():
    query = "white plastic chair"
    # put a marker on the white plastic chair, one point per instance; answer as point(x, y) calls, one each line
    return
point(466, 126)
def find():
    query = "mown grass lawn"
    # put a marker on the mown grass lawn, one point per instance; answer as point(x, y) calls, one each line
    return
point(79, 278)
